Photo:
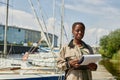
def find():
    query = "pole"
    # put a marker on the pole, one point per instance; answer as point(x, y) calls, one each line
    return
point(5, 33)
point(62, 25)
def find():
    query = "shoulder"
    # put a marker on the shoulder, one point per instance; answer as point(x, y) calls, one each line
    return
point(88, 47)
point(64, 46)
point(68, 46)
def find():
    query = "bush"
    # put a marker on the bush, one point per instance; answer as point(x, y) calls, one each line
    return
point(110, 44)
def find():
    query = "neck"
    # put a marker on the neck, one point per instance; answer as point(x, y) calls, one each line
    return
point(77, 42)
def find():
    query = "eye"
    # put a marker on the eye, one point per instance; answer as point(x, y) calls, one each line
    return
point(77, 30)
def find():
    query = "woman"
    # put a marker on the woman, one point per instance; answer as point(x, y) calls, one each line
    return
point(70, 54)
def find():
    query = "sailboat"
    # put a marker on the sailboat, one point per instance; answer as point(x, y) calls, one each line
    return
point(16, 69)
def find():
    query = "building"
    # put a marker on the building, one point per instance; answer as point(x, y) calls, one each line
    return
point(24, 37)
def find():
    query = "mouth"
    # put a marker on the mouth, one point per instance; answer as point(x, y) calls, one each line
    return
point(79, 36)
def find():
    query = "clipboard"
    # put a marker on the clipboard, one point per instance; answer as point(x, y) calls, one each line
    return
point(92, 58)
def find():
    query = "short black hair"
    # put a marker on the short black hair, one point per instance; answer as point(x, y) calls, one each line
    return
point(78, 23)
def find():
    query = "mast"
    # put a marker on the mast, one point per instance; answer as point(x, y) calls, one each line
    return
point(62, 24)
point(5, 33)
point(53, 25)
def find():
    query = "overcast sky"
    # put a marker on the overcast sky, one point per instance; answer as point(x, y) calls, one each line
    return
point(99, 16)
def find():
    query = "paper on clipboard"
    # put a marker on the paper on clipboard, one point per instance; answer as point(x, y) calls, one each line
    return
point(86, 59)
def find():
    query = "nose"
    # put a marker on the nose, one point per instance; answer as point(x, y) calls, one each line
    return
point(79, 32)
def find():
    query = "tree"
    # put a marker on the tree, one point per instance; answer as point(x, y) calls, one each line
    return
point(110, 44)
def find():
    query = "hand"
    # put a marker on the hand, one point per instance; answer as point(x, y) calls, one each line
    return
point(92, 66)
point(25, 57)
point(74, 63)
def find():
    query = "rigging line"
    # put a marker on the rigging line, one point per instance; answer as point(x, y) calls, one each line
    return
point(65, 33)
point(6, 4)
point(42, 31)
point(51, 50)
point(33, 48)
point(41, 27)
point(47, 36)
point(43, 11)
point(39, 24)
point(51, 46)
point(12, 13)
point(39, 42)
point(10, 50)
point(40, 9)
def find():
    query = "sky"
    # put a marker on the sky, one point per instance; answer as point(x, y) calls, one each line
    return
point(99, 16)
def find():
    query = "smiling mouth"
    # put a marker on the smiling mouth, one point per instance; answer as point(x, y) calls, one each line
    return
point(79, 35)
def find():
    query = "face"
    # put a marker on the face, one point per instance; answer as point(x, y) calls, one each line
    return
point(78, 32)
